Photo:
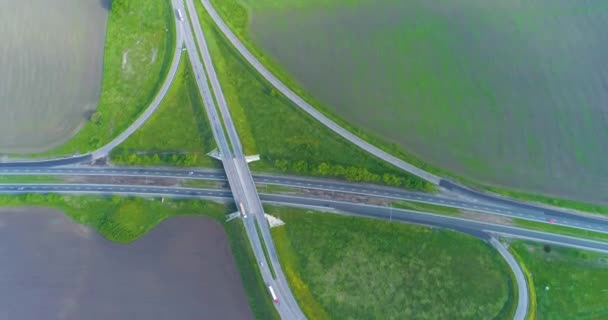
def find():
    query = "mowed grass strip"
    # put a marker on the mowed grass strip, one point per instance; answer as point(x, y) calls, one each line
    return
point(568, 283)
point(178, 134)
point(357, 268)
point(125, 219)
point(140, 40)
point(287, 139)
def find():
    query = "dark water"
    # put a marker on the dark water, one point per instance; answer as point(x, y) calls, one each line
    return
point(53, 268)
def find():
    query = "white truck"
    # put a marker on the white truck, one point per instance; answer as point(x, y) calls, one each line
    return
point(243, 210)
point(180, 15)
point(273, 295)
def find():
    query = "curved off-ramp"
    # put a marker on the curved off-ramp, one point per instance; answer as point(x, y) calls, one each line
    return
point(522, 284)
point(105, 150)
point(296, 99)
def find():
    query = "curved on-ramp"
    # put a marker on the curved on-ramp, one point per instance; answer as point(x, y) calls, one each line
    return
point(522, 284)
point(105, 150)
point(295, 98)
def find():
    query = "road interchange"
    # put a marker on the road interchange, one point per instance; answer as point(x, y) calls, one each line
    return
point(242, 184)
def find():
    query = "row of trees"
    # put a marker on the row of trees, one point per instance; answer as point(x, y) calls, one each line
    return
point(175, 159)
point(350, 173)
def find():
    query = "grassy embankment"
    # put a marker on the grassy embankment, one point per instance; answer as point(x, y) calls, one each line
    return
point(287, 139)
point(557, 229)
point(139, 48)
point(177, 134)
point(125, 219)
point(356, 268)
point(236, 15)
point(568, 283)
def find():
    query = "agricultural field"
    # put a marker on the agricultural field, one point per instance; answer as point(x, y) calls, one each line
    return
point(51, 61)
point(356, 268)
point(139, 45)
point(126, 219)
point(568, 283)
point(510, 94)
point(287, 139)
point(178, 133)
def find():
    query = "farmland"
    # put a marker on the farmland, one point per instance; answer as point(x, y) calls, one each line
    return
point(357, 268)
point(51, 61)
point(569, 283)
point(435, 77)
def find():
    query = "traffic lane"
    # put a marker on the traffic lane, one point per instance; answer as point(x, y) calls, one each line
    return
point(455, 223)
point(48, 163)
point(329, 205)
point(548, 212)
point(564, 219)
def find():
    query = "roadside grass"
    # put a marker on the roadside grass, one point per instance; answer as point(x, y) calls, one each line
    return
point(569, 283)
point(541, 226)
point(236, 15)
point(563, 203)
point(125, 219)
point(138, 52)
point(178, 134)
point(5, 179)
point(265, 249)
point(257, 294)
point(202, 184)
point(531, 289)
point(410, 205)
point(358, 268)
point(287, 139)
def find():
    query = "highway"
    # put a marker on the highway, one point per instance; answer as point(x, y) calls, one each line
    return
point(513, 210)
point(479, 229)
point(279, 85)
point(235, 166)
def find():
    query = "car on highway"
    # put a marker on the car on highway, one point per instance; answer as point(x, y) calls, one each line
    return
point(551, 220)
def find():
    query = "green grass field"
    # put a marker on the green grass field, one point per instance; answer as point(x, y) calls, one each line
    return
point(569, 284)
point(139, 47)
point(551, 228)
point(177, 134)
point(356, 268)
point(287, 139)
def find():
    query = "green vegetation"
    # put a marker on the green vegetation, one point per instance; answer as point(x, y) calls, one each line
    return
point(569, 284)
point(287, 139)
point(355, 268)
point(257, 293)
point(177, 134)
point(236, 13)
point(29, 179)
point(140, 40)
point(265, 249)
point(531, 289)
point(202, 183)
point(417, 206)
point(564, 203)
point(552, 228)
point(119, 219)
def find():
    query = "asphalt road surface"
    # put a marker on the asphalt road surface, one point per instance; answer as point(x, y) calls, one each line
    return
point(479, 229)
point(236, 168)
point(503, 208)
point(310, 109)
point(522, 284)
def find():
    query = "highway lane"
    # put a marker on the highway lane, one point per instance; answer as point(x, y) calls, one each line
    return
point(477, 228)
point(539, 214)
point(279, 85)
point(237, 172)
